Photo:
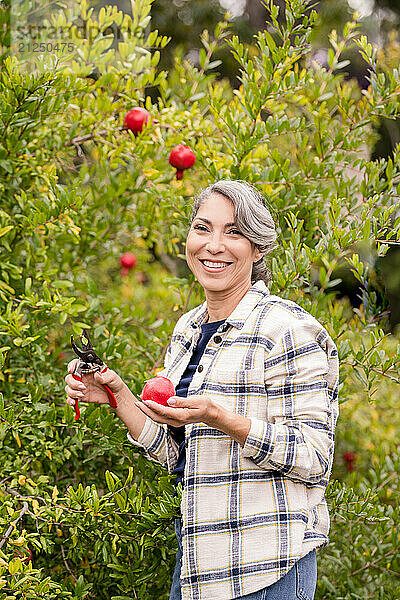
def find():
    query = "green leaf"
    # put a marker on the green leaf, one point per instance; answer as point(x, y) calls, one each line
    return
point(110, 481)
point(4, 230)
point(7, 287)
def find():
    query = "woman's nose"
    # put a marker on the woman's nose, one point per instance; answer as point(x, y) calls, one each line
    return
point(215, 242)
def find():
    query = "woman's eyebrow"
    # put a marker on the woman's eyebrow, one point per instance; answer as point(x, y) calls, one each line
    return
point(209, 222)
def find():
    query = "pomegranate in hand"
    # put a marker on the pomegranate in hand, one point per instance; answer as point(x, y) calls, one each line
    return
point(158, 389)
point(181, 157)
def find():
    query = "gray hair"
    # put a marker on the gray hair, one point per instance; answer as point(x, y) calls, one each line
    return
point(252, 218)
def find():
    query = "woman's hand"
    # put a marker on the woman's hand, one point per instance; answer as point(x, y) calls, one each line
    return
point(91, 388)
point(182, 411)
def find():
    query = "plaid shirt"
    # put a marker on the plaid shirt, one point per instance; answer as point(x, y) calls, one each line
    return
point(249, 513)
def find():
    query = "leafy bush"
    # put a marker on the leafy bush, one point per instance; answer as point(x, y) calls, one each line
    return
point(82, 513)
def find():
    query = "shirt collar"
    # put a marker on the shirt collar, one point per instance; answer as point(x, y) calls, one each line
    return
point(239, 315)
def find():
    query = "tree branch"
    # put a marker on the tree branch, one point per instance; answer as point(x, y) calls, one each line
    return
point(14, 524)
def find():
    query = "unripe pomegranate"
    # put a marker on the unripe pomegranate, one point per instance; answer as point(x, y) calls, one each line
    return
point(158, 389)
point(136, 119)
point(141, 277)
point(128, 260)
point(181, 157)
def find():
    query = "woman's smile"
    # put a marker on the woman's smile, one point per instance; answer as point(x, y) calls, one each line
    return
point(214, 266)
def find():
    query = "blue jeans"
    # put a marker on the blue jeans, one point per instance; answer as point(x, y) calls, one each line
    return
point(298, 584)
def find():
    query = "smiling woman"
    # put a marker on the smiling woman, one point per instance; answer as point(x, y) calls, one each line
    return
point(250, 432)
point(231, 231)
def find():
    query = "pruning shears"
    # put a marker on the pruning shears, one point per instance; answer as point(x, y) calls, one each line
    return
point(88, 363)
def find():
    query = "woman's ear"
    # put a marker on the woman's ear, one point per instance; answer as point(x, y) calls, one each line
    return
point(258, 256)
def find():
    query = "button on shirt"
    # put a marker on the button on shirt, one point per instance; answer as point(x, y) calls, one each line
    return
point(250, 512)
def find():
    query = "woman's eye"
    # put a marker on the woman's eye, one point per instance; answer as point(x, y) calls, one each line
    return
point(203, 228)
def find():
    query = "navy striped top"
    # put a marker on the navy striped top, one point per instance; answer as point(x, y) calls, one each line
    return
point(178, 433)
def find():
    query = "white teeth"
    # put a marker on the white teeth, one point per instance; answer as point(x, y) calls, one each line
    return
point(214, 265)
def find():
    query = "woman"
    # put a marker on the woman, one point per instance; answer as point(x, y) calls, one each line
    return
point(250, 432)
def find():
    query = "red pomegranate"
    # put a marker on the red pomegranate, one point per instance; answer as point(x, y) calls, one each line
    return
point(181, 157)
point(349, 458)
point(128, 260)
point(158, 389)
point(136, 119)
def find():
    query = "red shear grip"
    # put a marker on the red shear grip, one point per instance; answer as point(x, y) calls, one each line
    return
point(77, 411)
point(111, 398)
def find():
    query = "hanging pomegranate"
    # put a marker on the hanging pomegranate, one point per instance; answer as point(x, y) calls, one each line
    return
point(128, 260)
point(181, 157)
point(136, 119)
point(349, 458)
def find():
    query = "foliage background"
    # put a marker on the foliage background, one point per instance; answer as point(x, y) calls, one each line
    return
point(82, 513)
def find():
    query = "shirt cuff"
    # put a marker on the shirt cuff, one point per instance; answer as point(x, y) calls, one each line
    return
point(260, 441)
point(149, 437)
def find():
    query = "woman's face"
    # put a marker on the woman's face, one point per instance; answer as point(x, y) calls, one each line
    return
point(218, 255)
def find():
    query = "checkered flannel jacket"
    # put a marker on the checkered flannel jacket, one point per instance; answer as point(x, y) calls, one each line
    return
point(249, 513)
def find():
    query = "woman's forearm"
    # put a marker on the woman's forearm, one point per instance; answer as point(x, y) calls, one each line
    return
point(126, 410)
point(234, 425)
